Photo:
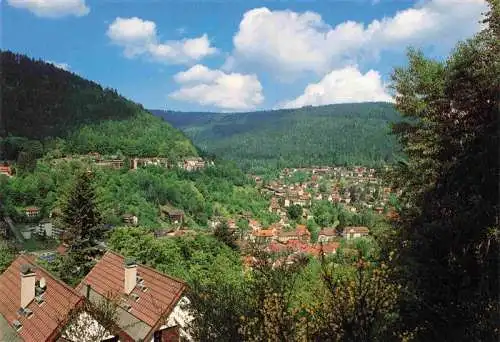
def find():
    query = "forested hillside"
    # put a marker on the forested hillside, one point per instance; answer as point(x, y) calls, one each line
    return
point(334, 134)
point(50, 117)
point(41, 102)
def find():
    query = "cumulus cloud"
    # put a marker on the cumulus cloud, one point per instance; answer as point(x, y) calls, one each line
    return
point(228, 91)
point(290, 43)
point(64, 66)
point(344, 85)
point(139, 37)
point(52, 8)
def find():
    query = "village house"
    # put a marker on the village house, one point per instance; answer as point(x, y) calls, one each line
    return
point(95, 156)
point(114, 164)
point(150, 303)
point(303, 233)
point(43, 227)
point(32, 211)
point(354, 232)
point(192, 164)
point(34, 306)
point(254, 225)
point(284, 237)
point(264, 235)
point(141, 162)
point(130, 219)
point(327, 234)
point(6, 170)
point(274, 205)
point(328, 247)
point(300, 233)
point(176, 216)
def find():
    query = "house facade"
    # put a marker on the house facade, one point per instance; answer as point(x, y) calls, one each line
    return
point(355, 232)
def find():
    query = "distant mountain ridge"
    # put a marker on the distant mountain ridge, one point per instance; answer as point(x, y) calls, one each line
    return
point(353, 133)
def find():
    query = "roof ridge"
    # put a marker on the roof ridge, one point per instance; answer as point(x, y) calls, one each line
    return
point(33, 262)
point(149, 268)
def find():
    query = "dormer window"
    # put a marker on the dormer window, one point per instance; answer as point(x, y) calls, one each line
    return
point(17, 325)
point(39, 300)
point(135, 297)
point(25, 312)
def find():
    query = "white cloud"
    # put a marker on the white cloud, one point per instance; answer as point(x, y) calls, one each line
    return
point(288, 43)
point(344, 85)
point(228, 91)
point(64, 66)
point(52, 8)
point(139, 37)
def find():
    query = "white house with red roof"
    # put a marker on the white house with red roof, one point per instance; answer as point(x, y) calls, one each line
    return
point(151, 304)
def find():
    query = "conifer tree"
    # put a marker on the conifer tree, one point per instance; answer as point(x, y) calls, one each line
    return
point(83, 229)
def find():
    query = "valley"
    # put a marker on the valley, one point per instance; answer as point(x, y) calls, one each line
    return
point(367, 213)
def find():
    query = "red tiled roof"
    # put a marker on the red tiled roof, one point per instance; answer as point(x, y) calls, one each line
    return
point(5, 170)
point(62, 249)
point(47, 319)
point(330, 247)
point(108, 277)
point(276, 247)
point(290, 234)
point(264, 233)
point(32, 209)
point(328, 232)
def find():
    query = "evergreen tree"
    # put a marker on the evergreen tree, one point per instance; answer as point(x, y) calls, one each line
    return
point(294, 212)
point(226, 235)
point(83, 230)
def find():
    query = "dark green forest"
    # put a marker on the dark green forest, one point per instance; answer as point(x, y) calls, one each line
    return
point(45, 108)
point(342, 134)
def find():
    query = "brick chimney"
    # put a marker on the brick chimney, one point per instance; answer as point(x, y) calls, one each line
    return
point(28, 278)
point(130, 275)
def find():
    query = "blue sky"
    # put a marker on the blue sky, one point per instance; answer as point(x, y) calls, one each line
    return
point(222, 55)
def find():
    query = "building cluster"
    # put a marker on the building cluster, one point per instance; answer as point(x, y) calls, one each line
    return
point(147, 305)
point(279, 237)
point(354, 188)
point(116, 163)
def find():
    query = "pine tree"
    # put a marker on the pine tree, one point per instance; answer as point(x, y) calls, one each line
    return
point(84, 230)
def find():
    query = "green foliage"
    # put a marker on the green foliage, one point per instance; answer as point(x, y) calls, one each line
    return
point(325, 135)
point(6, 255)
point(201, 258)
point(294, 212)
point(220, 190)
point(448, 245)
point(142, 135)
